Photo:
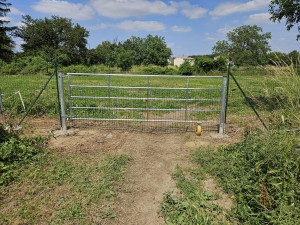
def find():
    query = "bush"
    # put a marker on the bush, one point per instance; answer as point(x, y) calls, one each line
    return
point(125, 59)
point(205, 64)
point(24, 65)
point(159, 70)
point(15, 151)
point(185, 69)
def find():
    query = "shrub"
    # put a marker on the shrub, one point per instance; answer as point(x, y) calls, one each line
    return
point(15, 151)
point(185, 69)
point(155, 70)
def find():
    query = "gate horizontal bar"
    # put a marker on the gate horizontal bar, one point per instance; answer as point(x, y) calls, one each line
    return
point(140, 120)
point(128, 98)
point(140, 75)
point(162, 88)
point(116, 108)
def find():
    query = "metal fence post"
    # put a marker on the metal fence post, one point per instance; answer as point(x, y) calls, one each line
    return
point(223, 106)
point(62, 101)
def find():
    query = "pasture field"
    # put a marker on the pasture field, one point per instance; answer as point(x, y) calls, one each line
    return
point(263, 91)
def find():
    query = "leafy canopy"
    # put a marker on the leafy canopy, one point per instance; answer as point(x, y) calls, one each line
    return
point(149, 50)
point(6, 43)
point(245, 45)
point(52, 37)
point(288, 9)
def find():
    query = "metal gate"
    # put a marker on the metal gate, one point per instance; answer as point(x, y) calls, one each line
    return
point(167, 101)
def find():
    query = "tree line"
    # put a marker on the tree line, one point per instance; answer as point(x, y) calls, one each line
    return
point(59, 39)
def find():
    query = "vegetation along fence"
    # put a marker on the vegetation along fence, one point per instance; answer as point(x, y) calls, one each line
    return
point(151, 102)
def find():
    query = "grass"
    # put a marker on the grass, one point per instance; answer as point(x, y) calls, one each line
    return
point(58, 190)
point(262, 173)
point(194, 204)
point(273, 91)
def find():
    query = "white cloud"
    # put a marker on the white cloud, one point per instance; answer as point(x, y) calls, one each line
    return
point(99, 26)
point(228, 8)
point(170, 45)
point(19, 24)
point(131, 8)
point(225, 30)
point(261, 18)
point(129, 25)
point(65, 9)
point(18, 43)
point(190, 11)
point(210, 39)
point(181, 29)
point(15, 11)
point(5, 18)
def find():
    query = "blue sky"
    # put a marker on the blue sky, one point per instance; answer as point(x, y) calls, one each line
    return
point(189, 27)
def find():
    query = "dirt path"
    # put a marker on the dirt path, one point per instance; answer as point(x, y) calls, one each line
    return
point(148, 176)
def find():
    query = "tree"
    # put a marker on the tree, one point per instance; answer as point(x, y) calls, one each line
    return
point(288, 9)
point(245, 45)
point(125, 59)
point(6, 43)
point(154, 51)
point(136, 45)
point(294, 57)
point(278, 58)
point(52, 37)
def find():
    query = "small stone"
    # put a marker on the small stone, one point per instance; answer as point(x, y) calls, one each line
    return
point(109, 136)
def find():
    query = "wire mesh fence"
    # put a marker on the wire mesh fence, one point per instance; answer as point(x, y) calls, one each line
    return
point(273, 92)
point(144, 102)
point(155, 103)
point(18, 93)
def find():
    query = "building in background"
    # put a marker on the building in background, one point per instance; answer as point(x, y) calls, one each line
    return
point(179, 60)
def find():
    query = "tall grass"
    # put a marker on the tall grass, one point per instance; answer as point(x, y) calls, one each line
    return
point(283, 99)
point(262, 173)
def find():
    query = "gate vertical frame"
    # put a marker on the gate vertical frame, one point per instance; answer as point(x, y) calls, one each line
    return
point(223, 105)
point(70, 94)
point(108, 85)
point(62, 101)
point(148, 85)
point(187, 97)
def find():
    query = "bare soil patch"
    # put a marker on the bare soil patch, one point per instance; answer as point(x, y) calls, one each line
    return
point(148, 177)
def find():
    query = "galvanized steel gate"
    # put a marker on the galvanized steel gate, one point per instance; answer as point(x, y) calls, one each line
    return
point(137, 99)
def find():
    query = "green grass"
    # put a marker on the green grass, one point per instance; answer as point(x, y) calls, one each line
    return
point(193, 205)
point(265, 89)
point(45, 187)
point(262, 173)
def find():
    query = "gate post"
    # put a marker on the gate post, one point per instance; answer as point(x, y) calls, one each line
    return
point(62, 101)
point(223, 106)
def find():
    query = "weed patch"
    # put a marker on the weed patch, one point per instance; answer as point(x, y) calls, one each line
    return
point(15, 152)
point(262, 173)
point(55, 190)
point(193, 205)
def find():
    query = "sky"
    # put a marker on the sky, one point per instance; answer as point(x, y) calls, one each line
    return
point(189, 27)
